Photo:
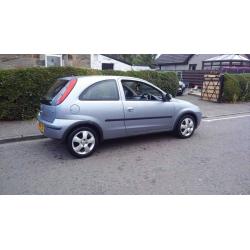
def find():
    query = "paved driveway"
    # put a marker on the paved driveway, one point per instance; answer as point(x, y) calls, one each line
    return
point(216, 109)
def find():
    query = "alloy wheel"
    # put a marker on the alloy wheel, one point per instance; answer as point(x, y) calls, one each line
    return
point(187, 127)
point(83, 142)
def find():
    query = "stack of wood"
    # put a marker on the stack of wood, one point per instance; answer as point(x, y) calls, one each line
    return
point(211, 88)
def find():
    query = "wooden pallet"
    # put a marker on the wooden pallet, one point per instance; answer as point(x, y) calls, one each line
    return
point(211, 88)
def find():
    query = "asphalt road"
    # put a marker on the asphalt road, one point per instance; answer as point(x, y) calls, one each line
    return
point(216, 160)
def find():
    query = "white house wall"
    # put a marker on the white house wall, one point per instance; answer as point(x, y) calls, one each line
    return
point(174, 67)
point(139, 68)
point(97, 60)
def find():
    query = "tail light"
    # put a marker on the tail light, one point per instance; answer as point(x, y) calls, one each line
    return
point(67, 91)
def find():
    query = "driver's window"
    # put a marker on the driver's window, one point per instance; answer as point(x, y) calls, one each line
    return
point(135, 90)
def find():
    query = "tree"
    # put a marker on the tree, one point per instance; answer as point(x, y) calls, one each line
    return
point(144, 59)
point(138, 59)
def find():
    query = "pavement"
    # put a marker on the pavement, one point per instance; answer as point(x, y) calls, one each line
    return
point(215, 160)
point(11, 131)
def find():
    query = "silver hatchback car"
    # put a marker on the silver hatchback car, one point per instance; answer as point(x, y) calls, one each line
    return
point(85, 110)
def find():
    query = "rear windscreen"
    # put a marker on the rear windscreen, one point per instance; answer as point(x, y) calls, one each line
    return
point(55, 89)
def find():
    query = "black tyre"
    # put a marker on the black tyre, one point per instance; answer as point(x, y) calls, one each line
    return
point(82, 142)
point(185, 126)
point(180, 92)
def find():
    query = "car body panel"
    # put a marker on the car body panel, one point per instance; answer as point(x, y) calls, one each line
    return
point(145, 116)
point(47, 112)
point(183, 107)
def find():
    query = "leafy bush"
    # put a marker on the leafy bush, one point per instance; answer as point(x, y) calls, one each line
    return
point(21, 89)
point(236, 88)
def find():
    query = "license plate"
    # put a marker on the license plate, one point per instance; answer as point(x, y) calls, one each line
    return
point(41, 127)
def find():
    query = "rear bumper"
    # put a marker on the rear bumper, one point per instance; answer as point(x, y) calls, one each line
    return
point(51, 130)
point(55, 129)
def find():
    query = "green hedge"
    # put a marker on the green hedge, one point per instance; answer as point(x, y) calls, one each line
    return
point(236, 88)
point(21, 89)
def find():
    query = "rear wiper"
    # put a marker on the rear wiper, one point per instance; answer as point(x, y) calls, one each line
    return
point(45, 101)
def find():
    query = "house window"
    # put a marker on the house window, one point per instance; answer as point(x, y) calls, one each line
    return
point(236, 63)
point(192, 66)
point(53, 61)
point(107, 66)
point(70, 57)
point(246, 64)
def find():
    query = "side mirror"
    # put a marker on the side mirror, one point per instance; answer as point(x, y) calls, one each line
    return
point(166, 97)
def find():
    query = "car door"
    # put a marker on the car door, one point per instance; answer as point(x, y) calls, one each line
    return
point(144, 108)
point(102, 104)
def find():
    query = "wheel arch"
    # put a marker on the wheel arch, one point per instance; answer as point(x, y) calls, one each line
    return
point(89, 124)
point(188, 112)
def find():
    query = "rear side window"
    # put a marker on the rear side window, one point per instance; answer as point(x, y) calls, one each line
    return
point(103, 90)
point(55, 89)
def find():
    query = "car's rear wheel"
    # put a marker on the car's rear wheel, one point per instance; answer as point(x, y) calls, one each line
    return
point(82, 142)
point(185, 126)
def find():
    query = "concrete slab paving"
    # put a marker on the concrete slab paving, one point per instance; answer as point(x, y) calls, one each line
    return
point(210, 109)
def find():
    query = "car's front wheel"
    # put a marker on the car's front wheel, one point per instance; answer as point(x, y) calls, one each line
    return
point(185, 126)
point(82, 142)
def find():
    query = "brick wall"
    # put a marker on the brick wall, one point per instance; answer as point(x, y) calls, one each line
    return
point(79, 60)
point(10, 61)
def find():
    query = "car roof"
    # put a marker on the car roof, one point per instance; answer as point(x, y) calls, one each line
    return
point(101, 77)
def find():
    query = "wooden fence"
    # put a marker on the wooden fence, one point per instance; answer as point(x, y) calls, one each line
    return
point(195, 77)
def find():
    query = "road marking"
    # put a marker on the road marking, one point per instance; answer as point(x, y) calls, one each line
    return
point(225, 118)
point(227, 115)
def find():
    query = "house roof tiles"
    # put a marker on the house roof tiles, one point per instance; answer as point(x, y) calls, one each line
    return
point(171, 59)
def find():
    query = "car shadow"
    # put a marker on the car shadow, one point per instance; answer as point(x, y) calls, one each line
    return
point(136, 140)
point(58, 150)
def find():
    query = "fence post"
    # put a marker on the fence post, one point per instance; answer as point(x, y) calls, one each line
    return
point(221, 87)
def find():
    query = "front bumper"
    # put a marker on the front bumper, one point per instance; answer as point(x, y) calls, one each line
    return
point(198, 117)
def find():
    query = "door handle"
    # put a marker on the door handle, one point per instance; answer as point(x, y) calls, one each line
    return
point(130, 109)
